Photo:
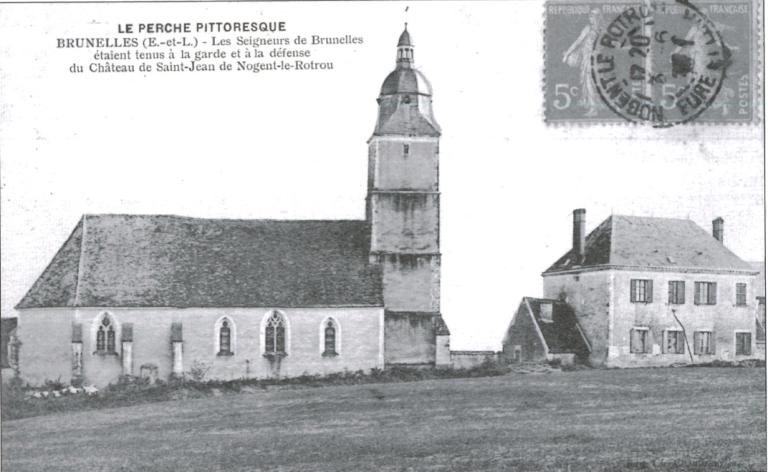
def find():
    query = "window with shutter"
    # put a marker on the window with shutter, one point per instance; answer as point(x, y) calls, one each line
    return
point(705, 293)
point(676, 292)
point(638, 342)
point(741, 294)
point(641, 291)
point(702, 343)
point(675, 342)
point(743, 344)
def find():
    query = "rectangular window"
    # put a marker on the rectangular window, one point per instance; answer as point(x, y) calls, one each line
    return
point(675, 343)
point(702, 343)
point(641, 291)
point(705, 294)
point(638, 342)
point(743, 344)
point(406, 149)
point(676, 292)
point(741, 294)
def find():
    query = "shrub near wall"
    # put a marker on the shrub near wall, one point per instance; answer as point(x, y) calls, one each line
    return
point(17, 401)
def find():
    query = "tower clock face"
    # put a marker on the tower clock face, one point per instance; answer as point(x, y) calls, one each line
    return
point(407, 99)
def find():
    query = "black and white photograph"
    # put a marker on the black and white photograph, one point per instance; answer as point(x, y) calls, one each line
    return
point(515, 235)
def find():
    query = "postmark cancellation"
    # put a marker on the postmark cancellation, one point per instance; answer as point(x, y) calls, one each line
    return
point(659, 63)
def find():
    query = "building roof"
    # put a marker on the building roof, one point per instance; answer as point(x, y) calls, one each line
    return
point(562, 335)
point(405, 38)
point(173, 261)
point(404, 81)
point(651, 243)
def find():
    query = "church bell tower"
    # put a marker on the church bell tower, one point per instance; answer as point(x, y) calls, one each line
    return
point(403, 211)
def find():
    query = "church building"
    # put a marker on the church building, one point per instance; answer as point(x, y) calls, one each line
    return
point(161, 295)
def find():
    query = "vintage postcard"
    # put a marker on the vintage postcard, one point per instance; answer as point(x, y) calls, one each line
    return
point(518, 235)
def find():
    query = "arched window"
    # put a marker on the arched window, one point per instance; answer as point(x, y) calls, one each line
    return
point(274, 334)
point(330, 337)
point(225, 337)
point(105, 335)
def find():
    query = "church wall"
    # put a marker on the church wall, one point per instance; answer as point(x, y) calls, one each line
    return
point(409, 338)
point(400, 168)
point(361, 342)
point(46, 337)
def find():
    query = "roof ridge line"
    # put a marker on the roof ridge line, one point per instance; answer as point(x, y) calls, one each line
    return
point(170, 215)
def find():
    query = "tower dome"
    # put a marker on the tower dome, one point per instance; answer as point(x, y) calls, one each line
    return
point(405, 99)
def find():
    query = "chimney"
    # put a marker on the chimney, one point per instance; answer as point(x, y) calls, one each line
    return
point(717, 228)
point(579, 233)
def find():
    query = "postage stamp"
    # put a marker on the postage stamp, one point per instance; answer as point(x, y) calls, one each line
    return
point(659, 63)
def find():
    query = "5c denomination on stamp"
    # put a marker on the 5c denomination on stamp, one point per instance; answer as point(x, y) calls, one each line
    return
point(657, 63)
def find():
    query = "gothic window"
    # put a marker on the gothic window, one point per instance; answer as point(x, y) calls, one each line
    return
point(330, 337)
point(105, 336)
point(274, 334)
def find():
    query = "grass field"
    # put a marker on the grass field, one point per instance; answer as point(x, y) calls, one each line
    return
point(686, 419)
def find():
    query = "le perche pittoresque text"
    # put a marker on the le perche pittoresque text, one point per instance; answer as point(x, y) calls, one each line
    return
point(237, 46)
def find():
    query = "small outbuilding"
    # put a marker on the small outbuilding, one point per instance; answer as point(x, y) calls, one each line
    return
point(544, 330)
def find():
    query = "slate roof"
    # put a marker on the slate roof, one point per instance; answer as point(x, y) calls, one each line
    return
point(651, 243)
point(563, 334)
point(173, 261)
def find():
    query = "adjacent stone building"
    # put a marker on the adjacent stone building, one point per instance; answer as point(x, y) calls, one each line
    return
point(656, 291)
point(159, 295)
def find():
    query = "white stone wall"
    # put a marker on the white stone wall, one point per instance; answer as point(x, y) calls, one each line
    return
point(48, 356)
point(601, 300)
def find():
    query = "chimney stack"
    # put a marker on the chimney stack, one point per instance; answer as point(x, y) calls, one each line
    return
point(579, 233)
point(717, 228)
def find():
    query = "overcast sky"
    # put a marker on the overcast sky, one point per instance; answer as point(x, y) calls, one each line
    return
point(293, 145)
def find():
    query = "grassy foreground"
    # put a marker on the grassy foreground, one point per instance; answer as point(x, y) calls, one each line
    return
point(694, 419)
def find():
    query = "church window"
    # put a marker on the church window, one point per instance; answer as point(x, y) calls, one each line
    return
point(225, 337)
point(105, 335)
point(329, 338)
point(274, 334)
